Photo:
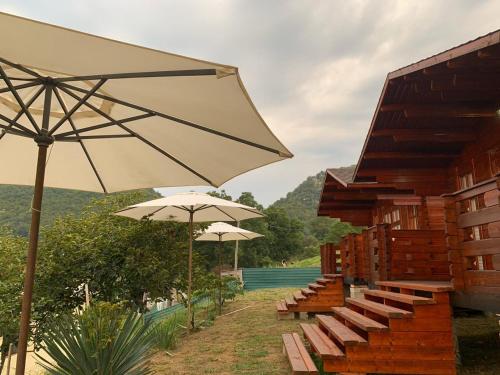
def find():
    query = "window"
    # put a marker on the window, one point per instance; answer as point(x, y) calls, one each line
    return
point(465, 181)
point(413, 217)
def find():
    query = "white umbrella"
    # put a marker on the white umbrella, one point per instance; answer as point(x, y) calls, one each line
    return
point(223, 232)
point(117, 117)
point(190, 207)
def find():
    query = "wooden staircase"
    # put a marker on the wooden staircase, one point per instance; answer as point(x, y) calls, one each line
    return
point(405, 327)
point(320, 296)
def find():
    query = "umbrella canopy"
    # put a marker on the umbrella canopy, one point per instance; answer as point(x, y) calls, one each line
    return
point(226, 232)
point(178, 207)
point(116, 117)
point(223, 232)
point(122, 116)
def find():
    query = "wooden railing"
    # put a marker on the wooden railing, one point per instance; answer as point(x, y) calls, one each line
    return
point(473, 238)
point(330, 258)
point(379, 254)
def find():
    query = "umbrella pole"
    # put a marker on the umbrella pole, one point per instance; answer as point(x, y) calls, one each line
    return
point(236, 251)
point(44, 141)
point(220, 274)
point(190, 267)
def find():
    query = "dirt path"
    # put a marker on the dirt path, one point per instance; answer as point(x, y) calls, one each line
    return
point(246, 342)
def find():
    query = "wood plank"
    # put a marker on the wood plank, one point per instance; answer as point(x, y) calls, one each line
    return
point(380, 309)
point(281, 307)
point(320, 342)
point(342, 333)
point(480, 217)
point(311, 367)
point(359, 320)
point(481, 247)
point(314, 286)
point(290, 301)
point(428, 286)
point(298, 296)
point(404, 298)
point(407, 155)
point(295, 355)
point(308, 292)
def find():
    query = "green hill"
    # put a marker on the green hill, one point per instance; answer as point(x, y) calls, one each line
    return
point(302, 202)
point(15, 204)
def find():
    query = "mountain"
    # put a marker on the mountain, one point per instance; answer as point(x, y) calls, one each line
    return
point(15, 205)
point(302, 202)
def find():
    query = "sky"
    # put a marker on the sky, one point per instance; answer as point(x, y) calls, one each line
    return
point(314, 68)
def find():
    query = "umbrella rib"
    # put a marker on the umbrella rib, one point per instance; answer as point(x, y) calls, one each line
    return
point(19, 87)
point(175, 119)
point(103, 125)
point(8, 129)
point(80, 102)
point(18, 99)
point(17, 125)
point(157, 74)
point(225, 213)
point(19, 114)
point(87, 137)
point(21, 68)
point(144, 140)
point(85, 151)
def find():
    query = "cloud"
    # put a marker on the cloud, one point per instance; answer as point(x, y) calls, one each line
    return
point(314, 69)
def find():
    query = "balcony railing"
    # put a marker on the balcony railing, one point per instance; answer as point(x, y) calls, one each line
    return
point(473, 237)
point(381, 253)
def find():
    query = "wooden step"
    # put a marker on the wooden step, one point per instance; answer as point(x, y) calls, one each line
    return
point(290, 301)
point(300, 360)
point(359, 320)
point(281, 307)
point(332, 275)
point(308, 292)
point(323, 281)
point(378, 308)
point(315, 286)
point(298, 296)
point(404, 298)
point(428, 286)
point(321, 343)
point(342, 333)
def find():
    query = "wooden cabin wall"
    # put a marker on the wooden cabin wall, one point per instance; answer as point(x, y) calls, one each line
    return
point(428, 214)
point(478, 161)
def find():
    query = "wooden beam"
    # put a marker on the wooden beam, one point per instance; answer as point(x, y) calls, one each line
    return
point(427, 135)
point(442, 110)
point(408, 155)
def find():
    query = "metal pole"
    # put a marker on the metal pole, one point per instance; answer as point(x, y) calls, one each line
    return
point(43, 140)
point(236, 251)
point(190, 267)
point(220, 274)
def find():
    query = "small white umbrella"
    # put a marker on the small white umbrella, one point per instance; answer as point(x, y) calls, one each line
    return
point(190, 207)
point(223, 232)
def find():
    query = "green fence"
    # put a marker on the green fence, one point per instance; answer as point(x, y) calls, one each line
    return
point(257, 278)
point(155, 315)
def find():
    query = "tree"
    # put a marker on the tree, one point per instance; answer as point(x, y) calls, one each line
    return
point(119, 258)
point(12, 260)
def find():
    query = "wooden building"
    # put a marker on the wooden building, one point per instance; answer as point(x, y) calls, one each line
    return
point(426, 186)
point(426, 192)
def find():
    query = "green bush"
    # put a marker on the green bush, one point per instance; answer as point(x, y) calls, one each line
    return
point(104, 340)
point(166, 331)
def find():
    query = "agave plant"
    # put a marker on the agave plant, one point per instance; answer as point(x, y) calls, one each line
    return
point(102, 341)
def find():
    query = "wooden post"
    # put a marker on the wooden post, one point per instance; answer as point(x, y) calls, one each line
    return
point(236, 248)
point(43, 140)
point(29, 277)
point(220, 273)
point(9, 357)
point(190, 270)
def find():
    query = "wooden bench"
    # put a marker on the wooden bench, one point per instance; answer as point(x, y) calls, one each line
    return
point(300, 360)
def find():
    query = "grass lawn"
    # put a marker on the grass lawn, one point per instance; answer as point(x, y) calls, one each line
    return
point(249, 342)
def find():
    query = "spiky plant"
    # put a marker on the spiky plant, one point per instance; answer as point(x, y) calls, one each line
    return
point(102, 341)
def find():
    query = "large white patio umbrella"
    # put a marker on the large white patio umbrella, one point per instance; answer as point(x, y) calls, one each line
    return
point(223, 232)
point(116, 117)
point(190, 207)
